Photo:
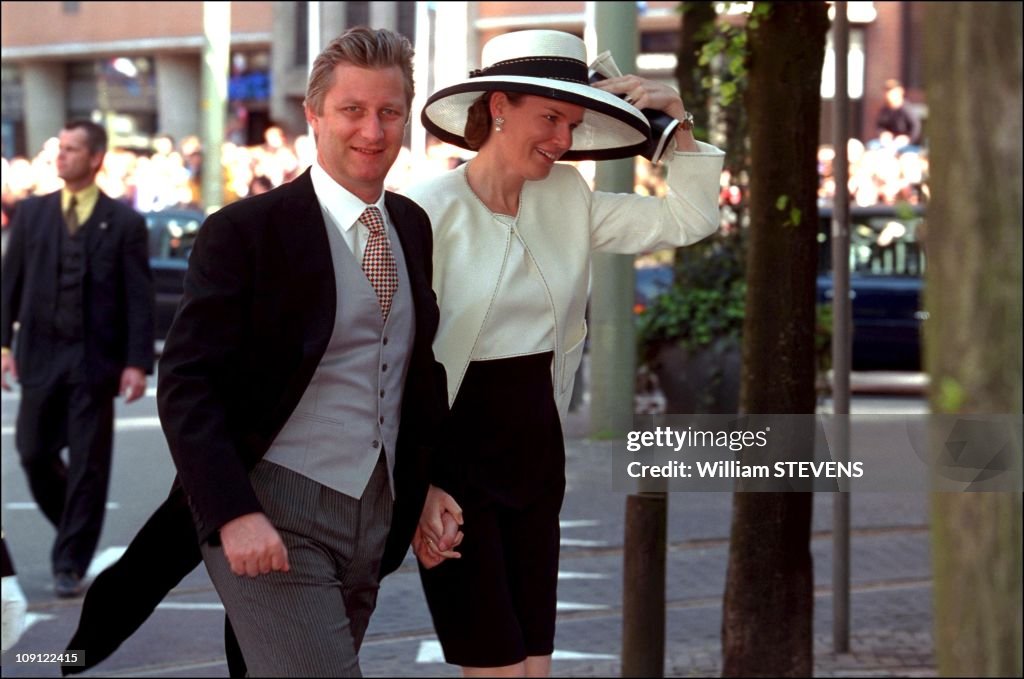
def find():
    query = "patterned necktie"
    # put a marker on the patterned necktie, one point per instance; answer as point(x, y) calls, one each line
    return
point(71, 216)
point(378, 261)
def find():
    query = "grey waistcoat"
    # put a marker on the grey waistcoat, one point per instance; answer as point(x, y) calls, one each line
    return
point(353, 404)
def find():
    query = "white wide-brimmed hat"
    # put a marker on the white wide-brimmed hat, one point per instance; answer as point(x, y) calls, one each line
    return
point(547, 64)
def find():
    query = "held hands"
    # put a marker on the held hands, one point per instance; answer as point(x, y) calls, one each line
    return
point(643, 93)
point(253, 546)
point(438, 534)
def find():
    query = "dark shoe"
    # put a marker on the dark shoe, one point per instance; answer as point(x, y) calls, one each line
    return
point(67, 584)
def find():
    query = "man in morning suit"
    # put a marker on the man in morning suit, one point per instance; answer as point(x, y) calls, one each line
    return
point(76, 280)
point(298, 388)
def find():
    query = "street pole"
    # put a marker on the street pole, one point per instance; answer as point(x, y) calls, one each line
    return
point(216, 54)
point(841, 331)
point(612, 344)
point(612, 369)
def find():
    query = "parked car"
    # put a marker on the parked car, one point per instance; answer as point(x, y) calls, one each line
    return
point(171, 235)
point(887, 265)
point(651, 281)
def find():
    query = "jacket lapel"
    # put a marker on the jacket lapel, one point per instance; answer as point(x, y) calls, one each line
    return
point(307, 253)
point(51, 234)
point(96, 227)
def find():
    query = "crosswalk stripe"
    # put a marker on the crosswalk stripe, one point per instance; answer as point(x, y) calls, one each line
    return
point(33, 506)
point(576, 575)
point(574, 542)
point(430, 652)
point(120, 424)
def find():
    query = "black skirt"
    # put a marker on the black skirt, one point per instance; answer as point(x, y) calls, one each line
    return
point(496, 605)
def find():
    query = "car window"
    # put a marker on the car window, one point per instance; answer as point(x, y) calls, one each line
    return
point(880, 245)
point(171, 235)
point(885, 246)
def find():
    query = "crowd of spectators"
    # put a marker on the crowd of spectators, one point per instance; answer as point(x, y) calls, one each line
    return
point(877, 176)
point(170, 174)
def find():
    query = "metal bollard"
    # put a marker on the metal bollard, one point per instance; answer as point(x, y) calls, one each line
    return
point(643, 585)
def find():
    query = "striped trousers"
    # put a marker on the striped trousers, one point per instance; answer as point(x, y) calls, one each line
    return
point(310, 621)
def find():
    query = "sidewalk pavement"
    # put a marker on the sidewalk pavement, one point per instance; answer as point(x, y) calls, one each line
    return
point(890, 603)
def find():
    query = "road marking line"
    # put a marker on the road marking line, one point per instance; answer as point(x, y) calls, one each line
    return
point(120, 424)
point(576, 575)
point(104, 559)
point(430, 652)
point(32, 618)
point(573, 606)
point(578, 523)
point(33, 505)
point(573, 542)
point(185, 606)
point(16, 395)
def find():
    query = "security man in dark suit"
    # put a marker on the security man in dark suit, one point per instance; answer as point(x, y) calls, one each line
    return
point(76, 281)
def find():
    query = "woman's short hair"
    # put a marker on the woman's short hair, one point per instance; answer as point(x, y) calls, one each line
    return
point(363, 47)
point(478, 118)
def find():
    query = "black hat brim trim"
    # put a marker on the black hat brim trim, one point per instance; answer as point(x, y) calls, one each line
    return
point(552, 93)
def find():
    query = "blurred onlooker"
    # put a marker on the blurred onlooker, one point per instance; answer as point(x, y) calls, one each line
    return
point(876, 176)
point(897, 124)
point(275, 159)
point(259, 184)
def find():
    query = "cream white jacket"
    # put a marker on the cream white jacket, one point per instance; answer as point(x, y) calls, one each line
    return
point(561, 221)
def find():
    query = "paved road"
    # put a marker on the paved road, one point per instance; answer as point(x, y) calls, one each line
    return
point(891, 575)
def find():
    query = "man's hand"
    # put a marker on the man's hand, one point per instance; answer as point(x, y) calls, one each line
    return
point(7, 365)
point(133, 384)
point(253, 546)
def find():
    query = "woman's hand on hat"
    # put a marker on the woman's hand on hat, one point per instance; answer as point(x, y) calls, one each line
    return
point(644, 93)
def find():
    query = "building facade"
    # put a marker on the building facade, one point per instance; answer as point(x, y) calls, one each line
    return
point(137, 66)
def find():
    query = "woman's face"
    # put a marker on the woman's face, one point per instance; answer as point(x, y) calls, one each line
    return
point(535, 134)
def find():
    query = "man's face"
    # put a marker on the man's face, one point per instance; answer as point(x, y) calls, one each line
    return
point(75, 165)
point(359, 132)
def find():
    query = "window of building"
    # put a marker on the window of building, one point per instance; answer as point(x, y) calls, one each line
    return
point(407, 20)
point(659, 41)
point(300, 56)
point(358, 13)
point(118, 92)
point(854, 66)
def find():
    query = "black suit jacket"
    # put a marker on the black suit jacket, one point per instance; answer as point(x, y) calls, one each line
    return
point(256, 316)
point(118, 296)
point(262, 266)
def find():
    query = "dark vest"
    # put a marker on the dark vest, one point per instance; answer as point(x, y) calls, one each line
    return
point(69, 318)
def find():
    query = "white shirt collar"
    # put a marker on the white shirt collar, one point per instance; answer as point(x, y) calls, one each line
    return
point(339, 203)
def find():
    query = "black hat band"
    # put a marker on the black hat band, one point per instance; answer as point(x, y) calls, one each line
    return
point(556, 68)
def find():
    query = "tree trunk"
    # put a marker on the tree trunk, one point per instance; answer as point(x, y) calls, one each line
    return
point(697, 20)
point(768, 608)
point(973, 336)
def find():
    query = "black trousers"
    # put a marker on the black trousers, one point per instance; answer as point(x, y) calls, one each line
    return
point(68, 413)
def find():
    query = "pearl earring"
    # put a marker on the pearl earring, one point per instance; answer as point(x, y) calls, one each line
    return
point(499, 123)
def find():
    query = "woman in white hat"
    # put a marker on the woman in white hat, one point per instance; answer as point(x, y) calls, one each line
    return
point(513, 236)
